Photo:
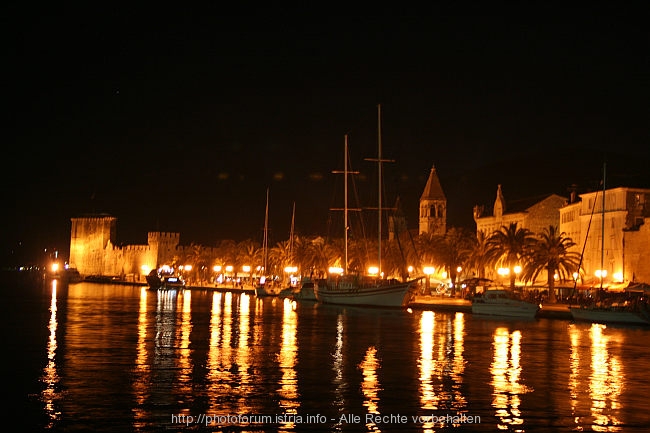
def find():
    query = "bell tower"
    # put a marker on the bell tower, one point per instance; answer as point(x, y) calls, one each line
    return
point(433, 207)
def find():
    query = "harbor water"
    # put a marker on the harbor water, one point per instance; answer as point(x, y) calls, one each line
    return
point(112, 358)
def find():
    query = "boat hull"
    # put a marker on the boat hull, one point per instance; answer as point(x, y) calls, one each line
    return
point(605, 315)
point(503, 303)
point(306, 292)
point(377, 295)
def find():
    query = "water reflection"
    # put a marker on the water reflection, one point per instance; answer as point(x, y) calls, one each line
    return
point(183, 353)
point(288, 391)
point(141, 369)
point(370, 385)
point(604, 380)
point(441, 376)
point(337, 366)
point(506, 376)
point(50, 377)
point(125, 359)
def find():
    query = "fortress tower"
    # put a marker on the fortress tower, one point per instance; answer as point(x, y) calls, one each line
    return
point(89, 238)
point(433, 207)
point(163, 247)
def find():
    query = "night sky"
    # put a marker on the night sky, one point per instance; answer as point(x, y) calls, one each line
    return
point(180, 120)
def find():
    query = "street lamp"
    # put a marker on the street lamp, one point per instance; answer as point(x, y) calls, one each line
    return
point(428, 271)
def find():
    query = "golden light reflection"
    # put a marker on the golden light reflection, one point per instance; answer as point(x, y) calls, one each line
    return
point(337, 366)
point(212, 362)
point(142, 373)
point(458, 363)
point(428, 400)
point(184, 381)
point(506, 375)
point(243, 357)
point(442, 366)
point(370, 385)
point(50, 377)
point(606, 382)
point(219, 354)
point(288, 391)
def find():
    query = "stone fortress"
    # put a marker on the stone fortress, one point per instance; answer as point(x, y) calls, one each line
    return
point(619, 232)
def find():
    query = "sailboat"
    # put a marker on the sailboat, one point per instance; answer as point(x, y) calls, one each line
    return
point(291, 287)
point(629, 307)
point(361, 290)
point(265, 286)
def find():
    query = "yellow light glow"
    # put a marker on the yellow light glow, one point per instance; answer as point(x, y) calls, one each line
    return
point(601, 273)
point(187, 267)
point(373, 270)
point(517, 269)
point(428, 270)
point(246, 268)
point(55, 267)
point(618, 276)
point(291, 269)
point(503, 271)
point(229, 268)
point(335, 270)
point(217, 268)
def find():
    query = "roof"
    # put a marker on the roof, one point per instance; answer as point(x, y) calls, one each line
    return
point(433, 189)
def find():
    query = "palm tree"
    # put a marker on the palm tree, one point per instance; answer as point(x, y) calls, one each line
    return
point(478, 259)
point(508, 247)
point(551, 253)
point(323, 256)
point(454, 251)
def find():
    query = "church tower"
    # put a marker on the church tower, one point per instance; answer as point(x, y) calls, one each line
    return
point(433, 207)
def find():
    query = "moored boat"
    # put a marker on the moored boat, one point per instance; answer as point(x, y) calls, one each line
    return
point(624, 308)
point(354, 289)
point(501, 302)
point(306, 291)
point(164, 281)
point(364, 291)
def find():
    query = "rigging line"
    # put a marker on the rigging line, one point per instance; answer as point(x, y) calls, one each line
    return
point(584, 244)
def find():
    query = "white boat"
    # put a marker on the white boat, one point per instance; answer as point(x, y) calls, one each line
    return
point(364, 291)
point(267, 289)
point(306, 291)
point(621, 315)
point(501, 302)
point(349, 289)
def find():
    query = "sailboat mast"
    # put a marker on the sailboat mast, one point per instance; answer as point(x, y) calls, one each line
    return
point(265, 242)
point(379, 182)
point(379, 160)
point(345, 205)
point(602, 231)
point(293, 221)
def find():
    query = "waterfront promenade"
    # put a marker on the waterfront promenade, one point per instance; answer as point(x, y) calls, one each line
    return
point(420, 302)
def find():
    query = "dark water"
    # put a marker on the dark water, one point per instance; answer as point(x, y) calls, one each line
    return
point(106, 358)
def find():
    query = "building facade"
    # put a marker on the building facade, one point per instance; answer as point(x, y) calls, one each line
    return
point(533, 213)
point(93, 250)
point(610, 226)
point(613, 233)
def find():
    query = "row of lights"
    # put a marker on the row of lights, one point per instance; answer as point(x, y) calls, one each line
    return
point(373, 270)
